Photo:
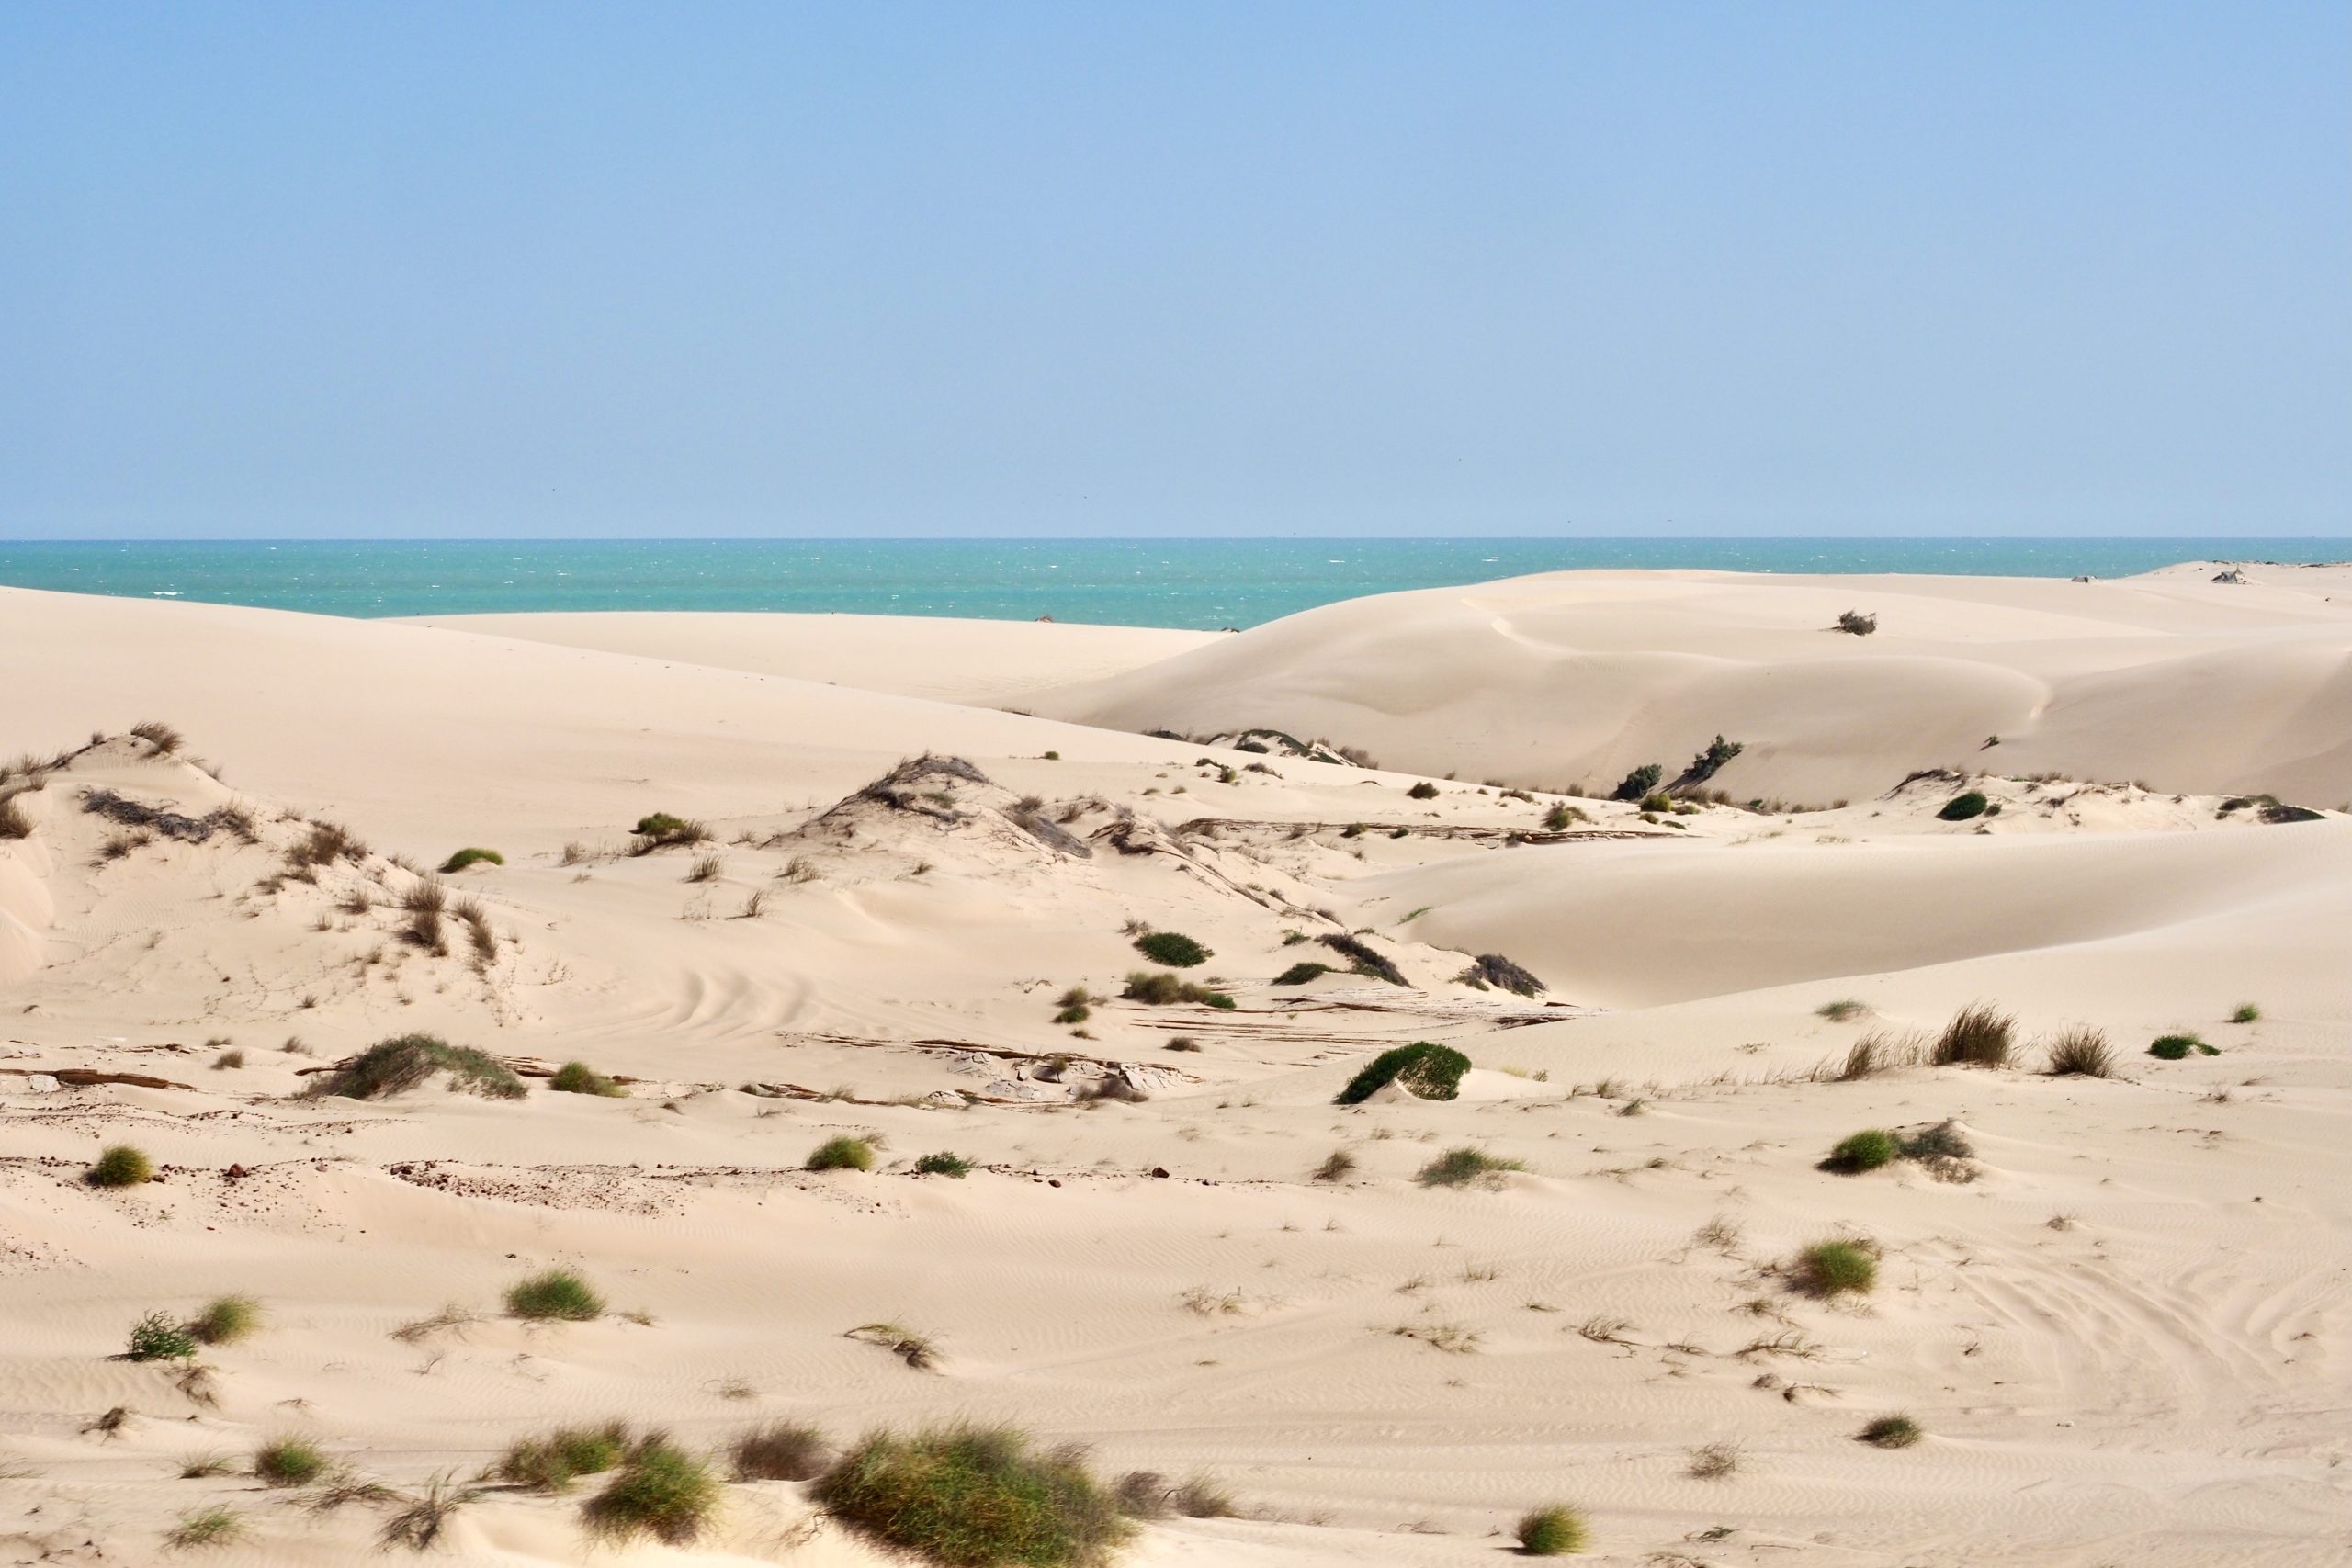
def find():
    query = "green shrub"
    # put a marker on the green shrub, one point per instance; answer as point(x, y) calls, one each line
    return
point(226, 1320)
point(559, 1293)
point(157, 1338)
point(290, 1461)
point(1555, 1531)
point(1494, 969)
point(1836, 1267)
point(1459, 1167)
point(662, 1490)
point(1657, 803)
point(1862, 1151)
point(121, 1164)
point(1430, 1071)
point(974, 1497)
point(842, 1154)
point(579, 1078)
point(405, 1061)
point(1960, 808)
point(1075, 1012)
point(1301, 973)
point(1639, 782)
point(2081, 1053)
point(1977, 1036)
point(1172, 948)
point(943, 1165)
point(1561, 817)
point(470, 856)
point(2246, 1014)
point(1363, 958)
point(1890, 1432)
point(1422, 791)
point(205, 1527)
point(553, 1462)
point(782, 1451)
point(2172, 1047)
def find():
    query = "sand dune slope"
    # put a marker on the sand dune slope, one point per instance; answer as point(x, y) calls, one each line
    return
point(1578, 677)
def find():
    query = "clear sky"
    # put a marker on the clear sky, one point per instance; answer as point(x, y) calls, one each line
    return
point(1894, 267)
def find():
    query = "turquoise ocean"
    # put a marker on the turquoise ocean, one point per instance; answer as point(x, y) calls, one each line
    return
point(1201, 583)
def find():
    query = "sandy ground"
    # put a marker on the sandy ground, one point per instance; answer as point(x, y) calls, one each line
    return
point(2124, 1320)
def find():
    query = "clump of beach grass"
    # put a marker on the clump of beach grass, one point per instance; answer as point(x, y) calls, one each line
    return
point(1172, 948)
point(662, 1490)
point(552, 1464)
point(205, 1527)
point(1461, 1166)
point(419, 1526)
point(1425, 1069)
point(781, 1450)
point(1866, 1150)
point(943, 1164)
point(554, 1295)
point(2246, 1012)
point(405, 1061)
point(1890, 1432)
point(975, 1495)
point(1842, 1010)
point(1557, 1530)
point(2081, 1053)
point(579, 1078)
point(290, 1461)
point(160, 1337)
point(471, 855)
point(121, 1164)
point(225, 1320)
point(1979, 1036)
point(842, 1154)
point(1829, 1269)
point(2172, 1047)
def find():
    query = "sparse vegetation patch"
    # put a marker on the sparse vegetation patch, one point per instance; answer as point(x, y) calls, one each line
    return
point(842, 1154)
point(974, 1497)
point(1460, 1168)
point(579, 1078)
point(1427, 1070)
point(1555, 1531)
point(1172, 948)
point(557, 1294)
point(404, 1061)
point(121, 1164)
point(661, 1491)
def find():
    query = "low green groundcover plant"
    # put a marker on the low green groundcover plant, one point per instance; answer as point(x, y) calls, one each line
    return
point(943, 1165)
point(1459, 1167)
point(471, 856)
point(553, 1462)
point(974, 1497)
point(1301, 973)
point(1430, 1071)
point(405, 1061)
point(2172, 1047)
point(157, 1338)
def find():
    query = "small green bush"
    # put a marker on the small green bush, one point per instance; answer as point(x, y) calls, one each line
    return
point(1890, 1432)
point(1836, 1267)
point(157, 1338)
point(1301, 973)
point(1561, 817)
point(1430, 1071)
point(1362, 957)
point(1862, 1151)
point(579, 1078)
point(842, 1154)
point(471, 856)
point(290, 1461)
point(662, 1490)
point(1172, 948)
point(1422, 791)
point(2172, 1047)
point(1960, 808)
point(2246, 1014)
point(1639, 782)
point(1843, 1010)
point(1075, 1012)
point(1555, 1532)
point(559, 1293)
point(974, 1497)
point(943, 1165)
point(553, 1462)
point(121, 1164)
point(1459, 1167)
point(226, 1320)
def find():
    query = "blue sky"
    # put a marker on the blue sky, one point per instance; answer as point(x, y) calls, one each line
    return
point(878, 269)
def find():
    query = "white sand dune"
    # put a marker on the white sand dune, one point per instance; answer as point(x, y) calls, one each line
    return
point(2122, 1321)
